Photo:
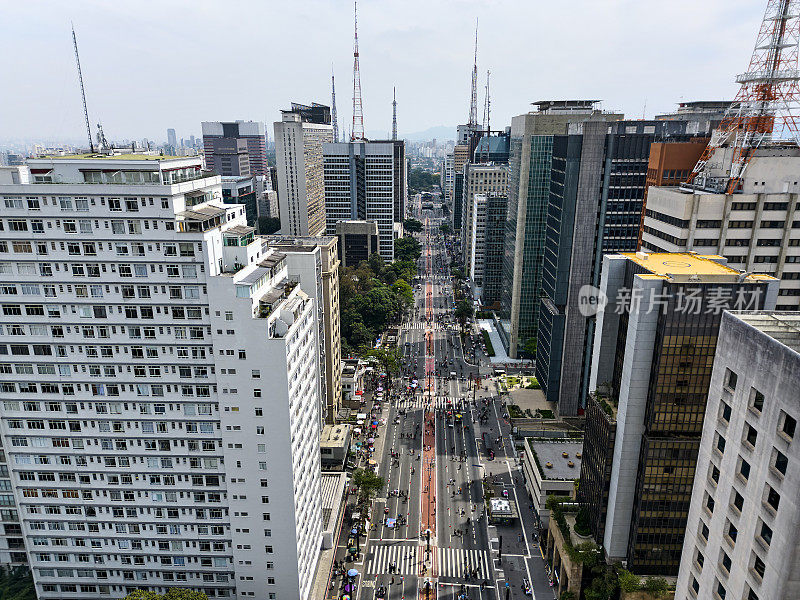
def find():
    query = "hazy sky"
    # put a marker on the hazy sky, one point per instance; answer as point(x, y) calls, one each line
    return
point(149, 65)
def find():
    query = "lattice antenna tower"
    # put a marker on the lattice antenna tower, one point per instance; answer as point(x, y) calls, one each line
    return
point(473, 105)
point(486, 117)
point(83, 92)
point(357, 133)
point(767, 108)
point(334, 118)
point(394, 113)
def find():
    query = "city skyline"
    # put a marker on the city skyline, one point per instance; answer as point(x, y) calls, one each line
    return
point(422, 59)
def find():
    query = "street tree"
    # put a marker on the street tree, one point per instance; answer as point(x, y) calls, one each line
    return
point(368, 483)
point(463, 311)
point(407, 248)
point(412, 225)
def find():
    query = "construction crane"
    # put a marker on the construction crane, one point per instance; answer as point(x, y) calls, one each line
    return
point(333, 109)
point(473, 105)
point(357, 133)
point(83, 92)
point(765, 110)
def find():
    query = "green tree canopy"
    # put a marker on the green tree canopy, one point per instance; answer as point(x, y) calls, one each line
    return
point(407, 248)
point(463, 311)
point(419, 180)
point(268, 225)
point(445, 228)
point(367, 482)
point(412, 225)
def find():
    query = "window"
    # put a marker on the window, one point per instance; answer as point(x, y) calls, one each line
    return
point(744, 468)
point(758, 566)
point(724, 412)
point(779, 461)
point(787, 425)
point(756, 400)
point(725, 561)
point(703, 530)
point(737, 500)
point(730, 380)
point(773, 498)
point(714, 474)
point(720, 590)
point(720, 443)
point(709, 503)
point(750, 435)
point(731, 532)
point(765, 534)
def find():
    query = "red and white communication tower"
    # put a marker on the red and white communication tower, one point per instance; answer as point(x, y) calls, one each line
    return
point(765, 110)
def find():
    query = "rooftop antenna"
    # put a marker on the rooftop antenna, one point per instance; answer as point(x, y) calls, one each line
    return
point(473, 106)
point(333, 108)
point(486, 111)
point(357, 133)
point(83, 92)
point(394, 113)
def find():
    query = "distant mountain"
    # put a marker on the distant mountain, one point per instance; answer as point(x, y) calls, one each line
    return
point(440, 132)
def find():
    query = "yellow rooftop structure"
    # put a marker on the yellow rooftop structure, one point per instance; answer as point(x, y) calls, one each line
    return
point(688, 266)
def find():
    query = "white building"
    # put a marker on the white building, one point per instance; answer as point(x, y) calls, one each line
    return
point(550, 466)
point(756, 228)
point(359, 184)
point(741, 530)
point(446, 177)
point(301, 189)
point(160, 386)
point(486, 179)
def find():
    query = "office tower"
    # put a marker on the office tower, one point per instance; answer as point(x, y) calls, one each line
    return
point(478, 179)
point(595, 207)
point(359, 184)
point(756, 227)
point(651, 366)
point(493, 148)
point(460, 158)
point(172, 139)
point(447, 179)
point(488, 236)
point(314, 263)
point(458, 202)
point(741, 531)
point(530, 165)
point(299, 137)
point(252, 133)
point(357, 241)
point(670, 164)
point(400, 167)
point(229, 156)
point(162, 423)
point(702, 116)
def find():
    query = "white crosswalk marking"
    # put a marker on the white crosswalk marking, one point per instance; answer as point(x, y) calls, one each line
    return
point(455, 562)
point(404, 556)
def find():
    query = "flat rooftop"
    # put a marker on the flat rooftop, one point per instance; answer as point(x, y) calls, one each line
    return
point(334, 435)
point(686, 264)
point(783, 327)
point(96, 156)
point(552, 452)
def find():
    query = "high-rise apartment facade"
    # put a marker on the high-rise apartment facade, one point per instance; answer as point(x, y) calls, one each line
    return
point(757, 228)
point(484, 179)
point(400, 167)
point(161, 393)
point(488, 236)
point(359, 184)
point(314, 263)
point(299, 137)
point(651, 362)
point(530, 162)
point(252, 133)
point(741, 531)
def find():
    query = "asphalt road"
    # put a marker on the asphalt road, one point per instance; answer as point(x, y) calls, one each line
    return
point(431, 538)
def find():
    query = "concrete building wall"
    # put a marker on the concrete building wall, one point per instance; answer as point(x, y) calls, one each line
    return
point(630, 418)
point(763, 352)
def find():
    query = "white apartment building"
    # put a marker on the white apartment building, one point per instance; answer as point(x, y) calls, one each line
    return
point(483, 178)
point(756, 228)
point(741, 532)
point(301, 188)
point(159, 383)
point(446, 179)
point(359, 184)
